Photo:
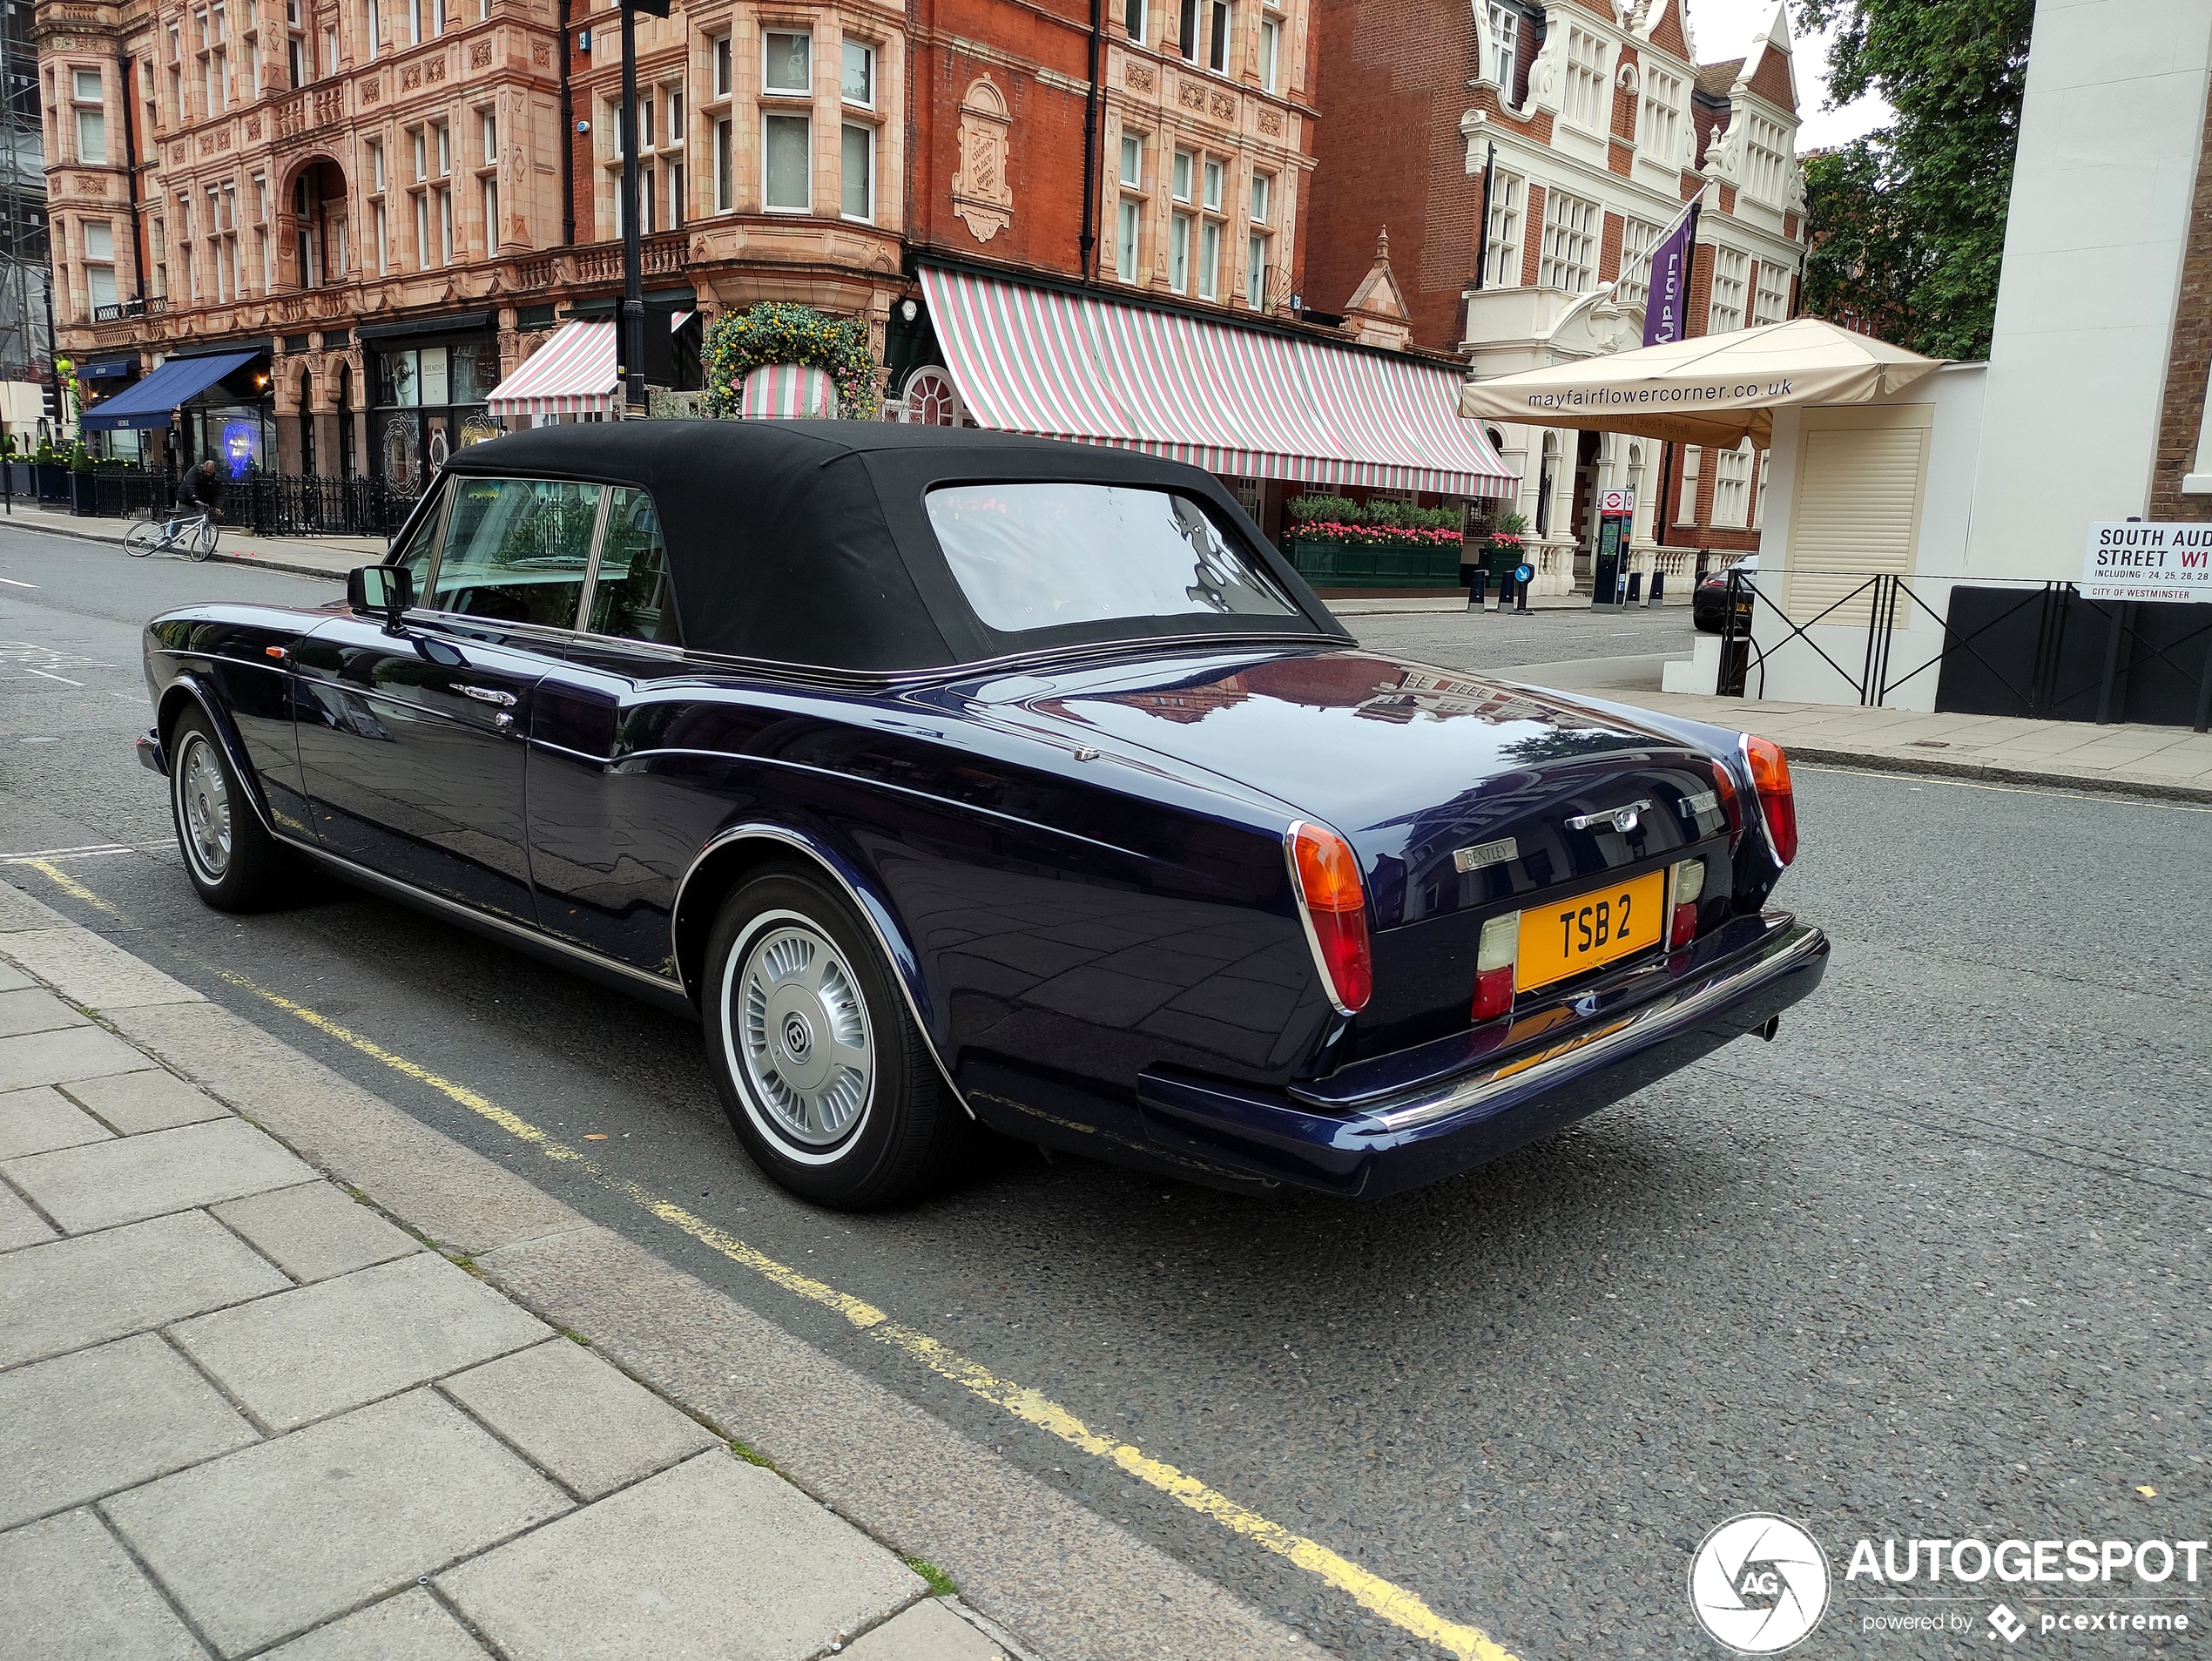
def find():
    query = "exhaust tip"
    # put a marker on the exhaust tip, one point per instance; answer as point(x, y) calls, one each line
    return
point(1773, 1025)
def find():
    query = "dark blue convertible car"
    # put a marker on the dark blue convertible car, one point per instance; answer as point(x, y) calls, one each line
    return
point(953, 779)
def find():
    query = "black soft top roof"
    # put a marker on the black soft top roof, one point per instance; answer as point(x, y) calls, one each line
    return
point(806, 542)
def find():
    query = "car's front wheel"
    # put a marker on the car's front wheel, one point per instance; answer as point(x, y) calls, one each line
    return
point(234, 862)
point(825, 1076)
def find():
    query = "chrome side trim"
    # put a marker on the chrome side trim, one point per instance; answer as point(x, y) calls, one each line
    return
point(1660, 1018)
point(454, 908)
point(792, 839)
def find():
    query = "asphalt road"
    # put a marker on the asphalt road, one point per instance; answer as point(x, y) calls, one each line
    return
point(1932, 1263)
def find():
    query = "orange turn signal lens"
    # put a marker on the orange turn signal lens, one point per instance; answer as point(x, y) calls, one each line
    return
point(1333, 902)
point(1770, 778)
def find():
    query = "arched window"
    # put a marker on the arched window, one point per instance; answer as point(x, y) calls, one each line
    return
point(933, 400)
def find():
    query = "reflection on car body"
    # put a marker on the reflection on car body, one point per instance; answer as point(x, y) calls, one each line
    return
point(950, 778)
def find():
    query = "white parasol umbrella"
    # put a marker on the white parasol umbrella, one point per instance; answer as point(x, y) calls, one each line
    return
point(1716, 389)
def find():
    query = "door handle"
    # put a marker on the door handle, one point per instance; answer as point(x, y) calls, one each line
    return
point(489, 695)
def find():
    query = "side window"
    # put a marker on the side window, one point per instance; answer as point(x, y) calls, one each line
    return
point(421, 543)
point(516, 550)
point(632, 599)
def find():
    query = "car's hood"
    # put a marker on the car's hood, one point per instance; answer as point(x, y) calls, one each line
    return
point(1410, 761)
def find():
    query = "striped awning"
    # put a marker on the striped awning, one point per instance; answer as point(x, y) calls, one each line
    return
point(573, 373)
point(789, 392)
point(1255, 404)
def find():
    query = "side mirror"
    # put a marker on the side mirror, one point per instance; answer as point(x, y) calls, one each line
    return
point(385, 591)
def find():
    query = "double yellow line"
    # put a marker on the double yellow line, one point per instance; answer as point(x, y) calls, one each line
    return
point(1393, 1604)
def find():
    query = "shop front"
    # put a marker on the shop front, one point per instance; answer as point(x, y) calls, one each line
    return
point(428, 381)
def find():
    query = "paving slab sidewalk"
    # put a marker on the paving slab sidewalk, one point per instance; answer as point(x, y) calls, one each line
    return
point(249, 1415)
point(2170, 762)
point(330, 557)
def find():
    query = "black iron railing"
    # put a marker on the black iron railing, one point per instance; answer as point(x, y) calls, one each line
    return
point(272, 504)
point(2036, 649)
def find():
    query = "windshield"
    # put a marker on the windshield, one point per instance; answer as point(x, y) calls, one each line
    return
point(1037, 556)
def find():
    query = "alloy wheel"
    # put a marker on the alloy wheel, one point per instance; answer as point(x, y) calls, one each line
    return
point(204, 803)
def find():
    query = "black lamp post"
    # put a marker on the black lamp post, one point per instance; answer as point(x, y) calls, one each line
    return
point(630, 338)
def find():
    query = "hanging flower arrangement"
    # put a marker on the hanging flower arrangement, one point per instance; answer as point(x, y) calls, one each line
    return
point(778, 331)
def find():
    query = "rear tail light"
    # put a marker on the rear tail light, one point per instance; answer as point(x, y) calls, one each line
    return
point(1495, 960)
point(1689, 883)
point(1770, 778)
point(1334, 906)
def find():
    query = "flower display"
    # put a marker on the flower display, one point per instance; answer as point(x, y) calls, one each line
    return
point(776, 331)
point(1364, 535)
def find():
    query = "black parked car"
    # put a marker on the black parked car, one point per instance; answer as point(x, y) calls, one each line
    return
point(1709, 600)
point(954, 777)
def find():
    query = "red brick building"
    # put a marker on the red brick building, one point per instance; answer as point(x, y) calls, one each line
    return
point(1586, 127)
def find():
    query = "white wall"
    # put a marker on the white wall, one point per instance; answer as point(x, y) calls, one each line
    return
point(1794, 670)
point(2110, 134)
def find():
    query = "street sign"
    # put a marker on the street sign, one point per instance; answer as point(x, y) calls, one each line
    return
point(1617, 502)
point(2135, 561)
point(1522, 573)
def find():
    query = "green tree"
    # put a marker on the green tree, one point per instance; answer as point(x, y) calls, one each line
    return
point(1909, 221)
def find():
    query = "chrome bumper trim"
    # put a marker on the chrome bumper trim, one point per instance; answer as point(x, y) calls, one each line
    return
point(1670, 1013)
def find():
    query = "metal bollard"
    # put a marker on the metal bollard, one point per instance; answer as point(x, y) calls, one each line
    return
point(1478, 585)
point(1658, 581)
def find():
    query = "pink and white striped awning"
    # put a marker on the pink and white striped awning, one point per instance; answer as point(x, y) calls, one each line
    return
point(789, 392)
point(1254, 403)
point(573, 373)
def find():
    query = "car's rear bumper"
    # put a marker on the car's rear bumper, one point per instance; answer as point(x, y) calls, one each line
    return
point(1398, 1122)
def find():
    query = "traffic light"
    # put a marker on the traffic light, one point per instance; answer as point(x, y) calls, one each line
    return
point(53, 393)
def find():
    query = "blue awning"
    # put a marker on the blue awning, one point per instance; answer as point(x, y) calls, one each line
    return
point(148, 403)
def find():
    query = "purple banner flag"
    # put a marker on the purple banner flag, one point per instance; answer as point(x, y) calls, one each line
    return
point(1667, 306)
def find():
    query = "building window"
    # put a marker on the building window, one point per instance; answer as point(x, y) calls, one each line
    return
point(673, 171)
point(1270, 53)
point(422, 231)
point(1132, 173)
point(789, 64)
point(1732, 488)
point(1263, 198)
point(1758, 501)
point(718, 50)
point(1637, 238)
point(1180, 189)
point(856, 175)
point(1134, 19)
point(1209, 260)
point(99, 263)
point(1128, 218)
point(1659, 134)
point(158, 241)
point(488, 187)
point(1213, 175)
point(91, 116)
point(1569, 256)
point(726, 199)
point(445, 227)
point(1225, 26)
point(1686, 510)
point(1770, 299)
point(785, 142)
point(1187, 29)
point(1589, 83)
point(858, 84)
point(330, 49)
point(1502, 254)
point(1256, 247)
point(488, 131)
point(1764, 147)
point(382, 230)
point(1731, 269)
point(1179, 254)
point(1505, 50)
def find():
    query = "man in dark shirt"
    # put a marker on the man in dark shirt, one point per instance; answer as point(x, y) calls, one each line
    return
point(200, 491)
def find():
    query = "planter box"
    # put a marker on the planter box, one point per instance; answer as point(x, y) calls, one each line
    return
point(83, 494)
point(51, 482)
point(1342, 564)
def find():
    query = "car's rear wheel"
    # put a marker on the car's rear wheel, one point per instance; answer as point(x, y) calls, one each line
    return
point(234, 862)
point(825, 1076)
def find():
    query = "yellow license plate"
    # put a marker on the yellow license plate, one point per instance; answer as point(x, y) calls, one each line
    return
point(1588, 931)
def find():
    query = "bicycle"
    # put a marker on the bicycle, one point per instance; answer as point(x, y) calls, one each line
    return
point(193, 533)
